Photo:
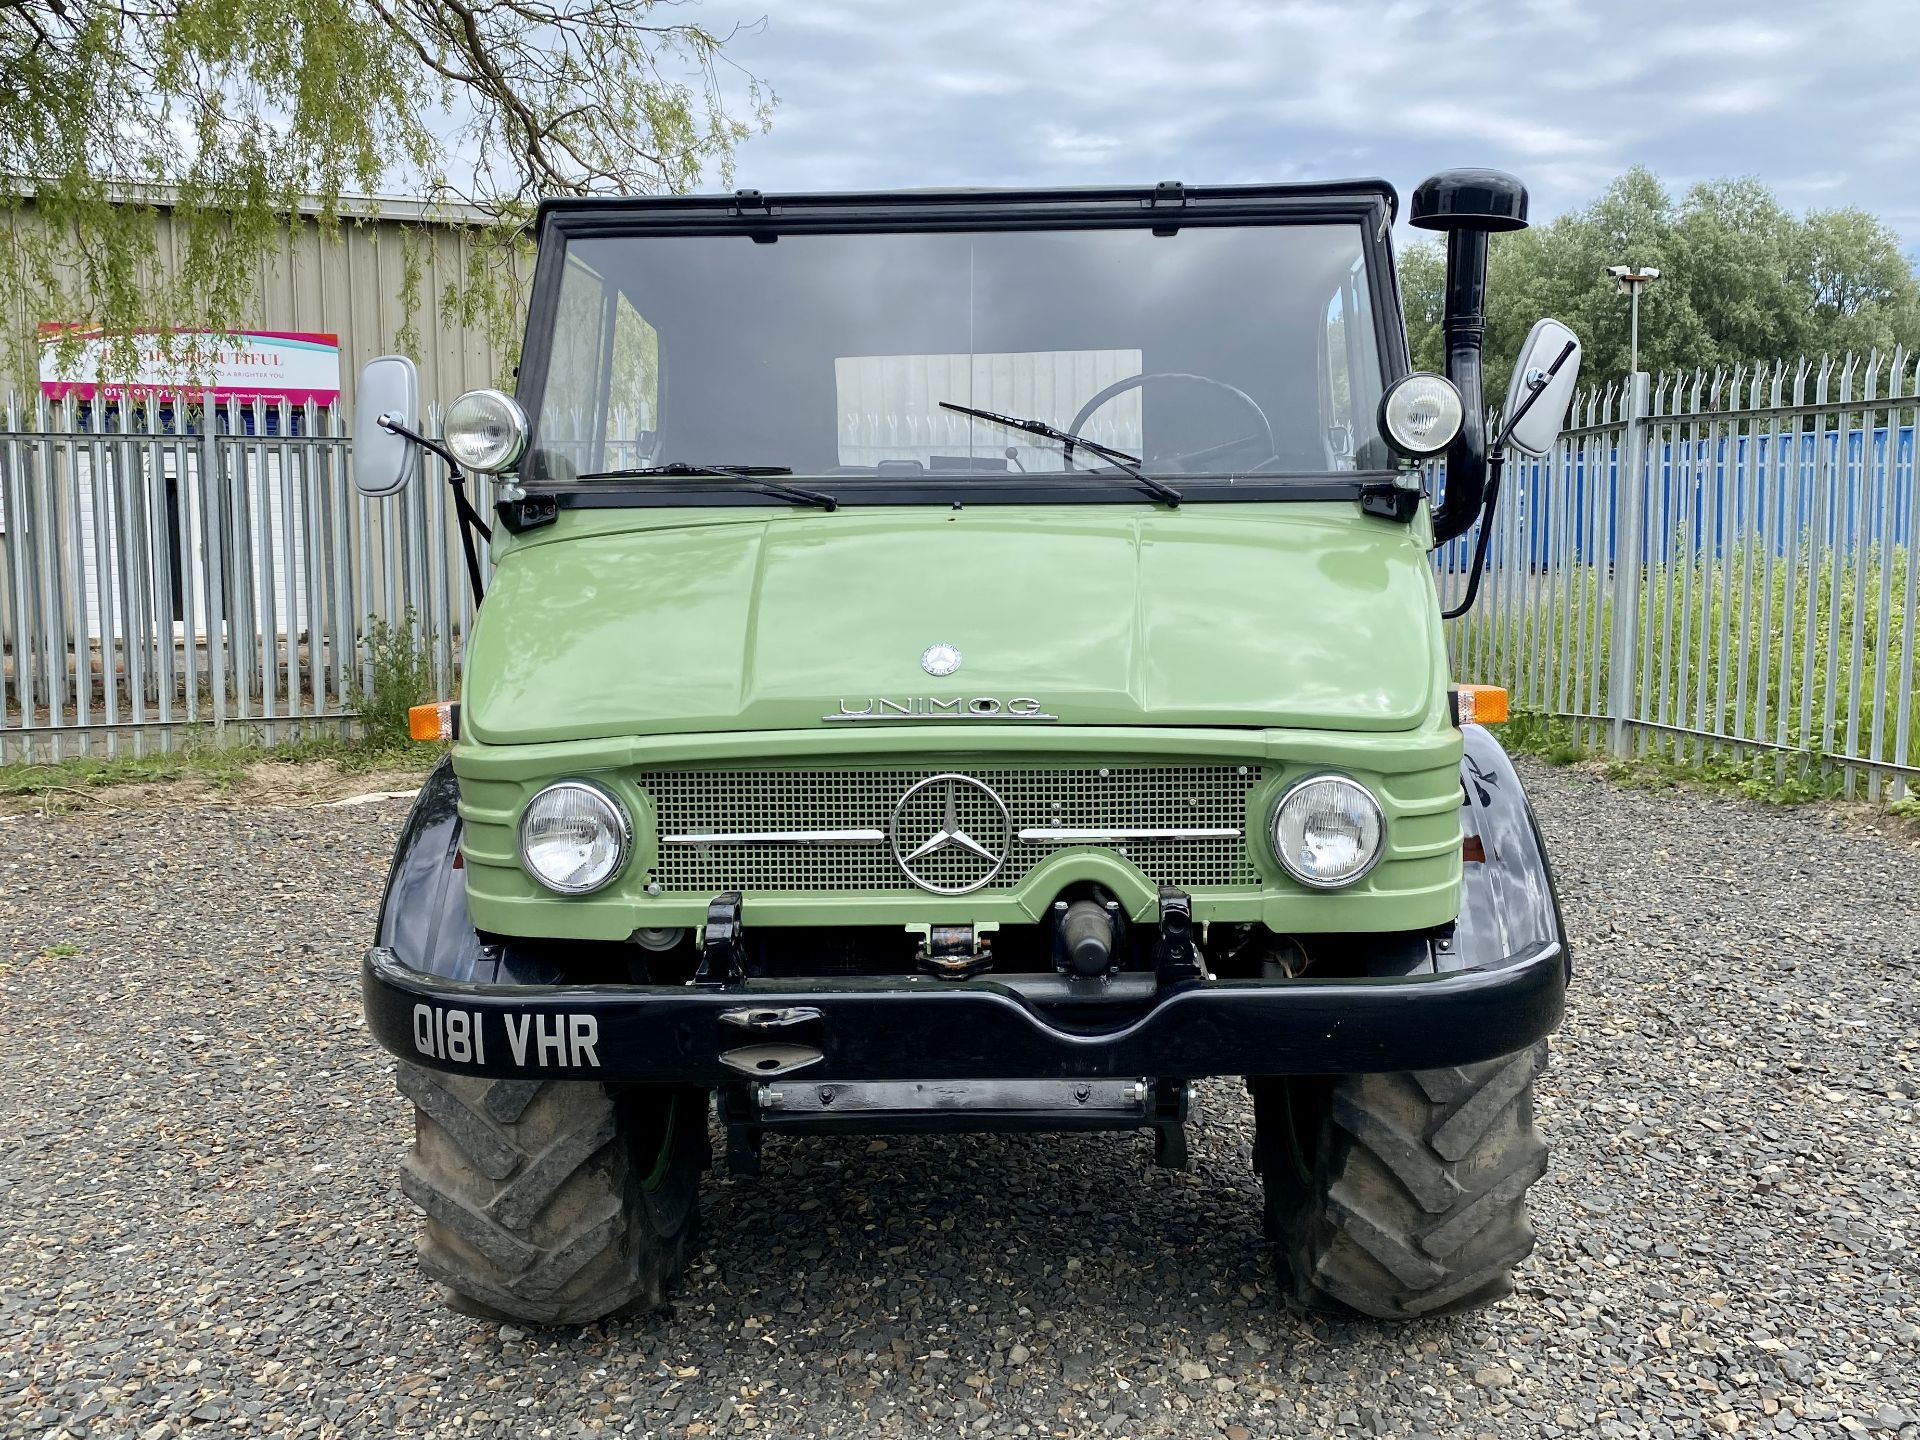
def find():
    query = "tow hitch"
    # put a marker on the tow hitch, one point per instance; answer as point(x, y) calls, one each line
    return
point(720, 946)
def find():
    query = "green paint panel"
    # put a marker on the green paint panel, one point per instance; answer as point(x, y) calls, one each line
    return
point(653, 622)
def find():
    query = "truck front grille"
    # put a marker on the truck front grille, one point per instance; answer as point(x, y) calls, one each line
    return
point(787, 831)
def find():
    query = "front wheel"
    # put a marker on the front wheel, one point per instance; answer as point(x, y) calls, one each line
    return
point(553, 1202)
point(1402, 1194)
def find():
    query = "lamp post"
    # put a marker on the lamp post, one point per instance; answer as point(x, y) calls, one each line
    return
point(1629, 281)
point(1623, 697)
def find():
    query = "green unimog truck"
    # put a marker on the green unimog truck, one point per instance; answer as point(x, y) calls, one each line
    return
point(971, 660)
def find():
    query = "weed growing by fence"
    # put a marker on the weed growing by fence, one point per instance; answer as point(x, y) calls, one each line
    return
point(397, 674)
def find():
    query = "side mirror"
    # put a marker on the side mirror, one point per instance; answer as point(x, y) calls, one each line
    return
point(1544, 365)
point(385, 463)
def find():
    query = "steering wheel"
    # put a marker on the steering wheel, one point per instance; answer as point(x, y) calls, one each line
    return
point(1134, 382)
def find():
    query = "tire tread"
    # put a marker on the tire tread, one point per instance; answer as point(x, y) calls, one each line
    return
point(532, 1200)
point(1417, 1202)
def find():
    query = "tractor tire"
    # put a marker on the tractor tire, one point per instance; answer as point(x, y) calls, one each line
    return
point(553, 1202)
point(1401, 1195)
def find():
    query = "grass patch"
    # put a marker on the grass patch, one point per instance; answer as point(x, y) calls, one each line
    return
point(63, 950)
point(76, 777)
point(1546, 737)
point(1757, 777)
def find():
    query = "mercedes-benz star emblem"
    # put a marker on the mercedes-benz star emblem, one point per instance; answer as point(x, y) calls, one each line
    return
point(940, 659)
point(971, 834)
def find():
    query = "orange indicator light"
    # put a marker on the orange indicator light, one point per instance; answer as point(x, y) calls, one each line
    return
point(436, 721)
point(1481, 704)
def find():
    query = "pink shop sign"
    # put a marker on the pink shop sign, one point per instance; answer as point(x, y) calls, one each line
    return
point(296, 367)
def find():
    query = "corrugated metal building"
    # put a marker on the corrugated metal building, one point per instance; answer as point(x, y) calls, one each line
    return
point(354, 287)
point(353, 283)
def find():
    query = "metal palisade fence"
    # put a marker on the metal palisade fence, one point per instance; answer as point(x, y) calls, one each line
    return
point(1717, 566)
point(204, 571)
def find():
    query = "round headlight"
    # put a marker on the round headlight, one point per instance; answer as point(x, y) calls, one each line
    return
point(1327, 831)
point(573, 837)
point(1421, 414)
point(485, 430)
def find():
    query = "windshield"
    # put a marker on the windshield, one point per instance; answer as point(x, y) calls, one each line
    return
point(1212, 353)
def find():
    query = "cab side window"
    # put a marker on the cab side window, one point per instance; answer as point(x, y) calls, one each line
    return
point(1350, 366)
point(569, 428)
point(1337, 378)
point(632, 425)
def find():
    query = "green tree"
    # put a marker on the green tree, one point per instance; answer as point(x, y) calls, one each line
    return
point(1423, 290)
point(234, 113)
point(1742, 279)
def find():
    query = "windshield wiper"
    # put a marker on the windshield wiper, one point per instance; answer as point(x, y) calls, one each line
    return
point(748, 475)
point(1119, 459)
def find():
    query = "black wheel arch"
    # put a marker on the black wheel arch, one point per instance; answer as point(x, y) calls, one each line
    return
point(423, 914)
point(1508, 899)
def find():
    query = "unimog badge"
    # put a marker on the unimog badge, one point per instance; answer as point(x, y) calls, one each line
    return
point(928, 707)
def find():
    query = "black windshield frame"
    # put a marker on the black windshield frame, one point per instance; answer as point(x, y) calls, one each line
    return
point(1369, 205)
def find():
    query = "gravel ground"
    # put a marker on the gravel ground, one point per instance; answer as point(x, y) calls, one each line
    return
point(201, 1231)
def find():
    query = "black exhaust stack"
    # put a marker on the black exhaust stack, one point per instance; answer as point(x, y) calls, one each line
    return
point(1469, 205)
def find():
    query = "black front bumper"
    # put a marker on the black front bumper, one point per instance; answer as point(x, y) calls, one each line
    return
point(925, 1029)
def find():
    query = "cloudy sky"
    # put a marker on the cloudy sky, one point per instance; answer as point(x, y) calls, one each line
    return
point(1821, 100)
